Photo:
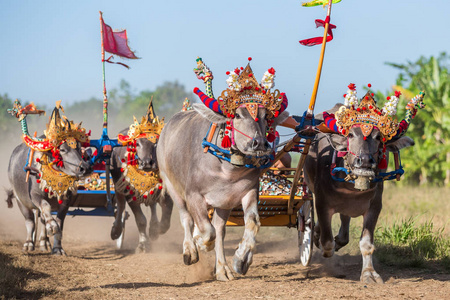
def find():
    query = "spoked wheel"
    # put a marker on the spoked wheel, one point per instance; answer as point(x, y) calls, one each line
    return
point(120, 239)
point(305, 223)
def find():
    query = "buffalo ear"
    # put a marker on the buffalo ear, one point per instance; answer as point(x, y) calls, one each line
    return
point(281, 118)
point(339, 142)
point(209, 114)
point(395, 145)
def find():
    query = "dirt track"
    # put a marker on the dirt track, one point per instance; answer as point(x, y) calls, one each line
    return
point(94, 269)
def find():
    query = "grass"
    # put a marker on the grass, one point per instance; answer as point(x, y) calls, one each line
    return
point(407, 243)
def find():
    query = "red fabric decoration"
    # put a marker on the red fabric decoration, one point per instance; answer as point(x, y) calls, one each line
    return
point(226, 142)
point(318, 40)
point(116, 42)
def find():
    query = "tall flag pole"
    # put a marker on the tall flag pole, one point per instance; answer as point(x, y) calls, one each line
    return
point(105, 97)
point(327, 36)
point(114, 42)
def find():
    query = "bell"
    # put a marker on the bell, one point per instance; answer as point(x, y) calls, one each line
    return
point(362, 183)
point(237, 159)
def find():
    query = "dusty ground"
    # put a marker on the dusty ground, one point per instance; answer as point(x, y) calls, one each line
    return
point(94, 269)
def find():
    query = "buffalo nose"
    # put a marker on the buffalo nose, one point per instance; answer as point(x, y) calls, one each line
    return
point(364, 161)
point(145, 163)
point(260, 144)
point(84, 168)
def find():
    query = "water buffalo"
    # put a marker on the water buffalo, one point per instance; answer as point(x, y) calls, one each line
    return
point(56, 166)
point(361, 149)
point(140, 155)
point(198, 181)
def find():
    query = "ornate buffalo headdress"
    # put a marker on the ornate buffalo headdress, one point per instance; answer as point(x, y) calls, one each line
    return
point(366, 115)
point(59, 129)
point(244, 90)
point(150, 127)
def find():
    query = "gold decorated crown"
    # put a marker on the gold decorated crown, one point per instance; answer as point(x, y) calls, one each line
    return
point(367, 115)
point(149, 127)
point(244, 89)
point(60, 129)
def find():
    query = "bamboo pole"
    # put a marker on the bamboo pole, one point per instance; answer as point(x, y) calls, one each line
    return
point(105, 97)
point(319, 68)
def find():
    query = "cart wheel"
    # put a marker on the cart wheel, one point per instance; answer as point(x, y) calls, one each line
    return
point(120, 239)
point(305, 223)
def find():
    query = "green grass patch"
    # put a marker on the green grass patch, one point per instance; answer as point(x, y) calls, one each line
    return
point(407, 243)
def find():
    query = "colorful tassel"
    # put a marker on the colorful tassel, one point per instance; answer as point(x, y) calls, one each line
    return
point(226, 142)
point(271, 137)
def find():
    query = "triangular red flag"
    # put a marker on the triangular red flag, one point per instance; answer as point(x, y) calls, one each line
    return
point(116, 42)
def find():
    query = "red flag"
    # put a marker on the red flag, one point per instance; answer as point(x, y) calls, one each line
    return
point(318, 40)
point(116, 42)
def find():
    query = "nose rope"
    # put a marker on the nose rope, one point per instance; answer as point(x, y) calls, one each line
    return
point(234, 128)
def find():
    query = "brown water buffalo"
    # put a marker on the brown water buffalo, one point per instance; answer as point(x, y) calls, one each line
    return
point(56, 166)
point(360, 151)
point(198, 181)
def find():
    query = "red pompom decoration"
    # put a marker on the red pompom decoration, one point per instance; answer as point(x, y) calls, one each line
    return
point(152, 192)
point(134, 198)
point(38, 160)
point(249, 59)
point(383, 163)
point(228, 73)
point(369, 85)
point(256, 119)
point(60, 201)
point(270, 137)
point(145, 196)
point(226, 142)
point(38, 180)
point(160, 187)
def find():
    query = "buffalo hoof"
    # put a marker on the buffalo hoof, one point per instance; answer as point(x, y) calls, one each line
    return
point(141, 248)
point(58, 252)
point(163, 227)
point(204, 245)
point(44, 245)
point(153, 232)
point(28, 246)
point(370, 276)
point(223, 273)
point(241, 266)
point(52, 228)
point(190, 257)
point(116, 231)
point(328, 249)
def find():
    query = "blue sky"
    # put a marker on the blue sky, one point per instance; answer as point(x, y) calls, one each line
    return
point(51, 49)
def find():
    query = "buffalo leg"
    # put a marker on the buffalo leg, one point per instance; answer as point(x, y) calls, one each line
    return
point(368, 273)
point(50, 224)
point(220, 217)
point(342, 238)
point(116, 229)
point(166, 203)
point(44, 242)
point(324, 215)
point(243, 256)
point(153, 229)
point(190, 253)
point(57, 239)
point(141, 222)
point(204, 232)
point(30, 225)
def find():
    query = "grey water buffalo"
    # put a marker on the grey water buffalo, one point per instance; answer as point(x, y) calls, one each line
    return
point(136, 180)
point(228, 174)
point(146, 160)
point(360, 149)
point(53, 188)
